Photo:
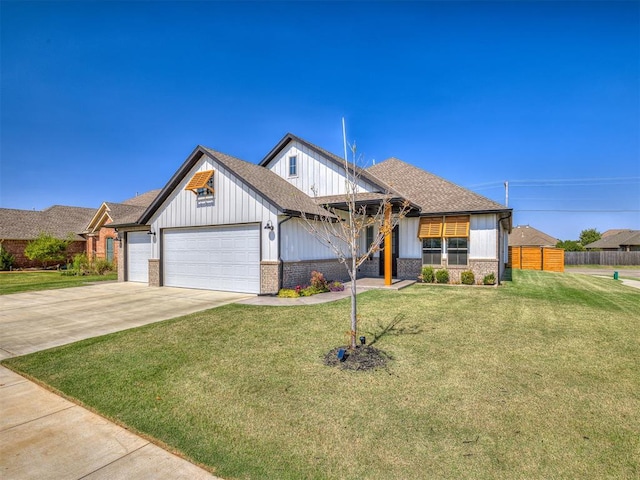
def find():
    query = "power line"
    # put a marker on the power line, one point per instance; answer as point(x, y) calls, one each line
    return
point(575, 211)
point(561, 182)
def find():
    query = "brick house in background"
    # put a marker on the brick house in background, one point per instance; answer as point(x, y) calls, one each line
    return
point(19, 227)
point(101, 240)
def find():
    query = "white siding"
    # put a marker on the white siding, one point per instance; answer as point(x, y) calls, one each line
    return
point(410, 244)
point(232, 203)
point(483, 240)
point(314, 171)
point(298, 244)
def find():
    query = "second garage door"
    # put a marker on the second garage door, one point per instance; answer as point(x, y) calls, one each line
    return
point(218, 258)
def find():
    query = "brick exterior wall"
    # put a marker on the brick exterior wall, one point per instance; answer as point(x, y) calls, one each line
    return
point(410, 268)
point(299, 273)
point(370, 268)
point(120, 262)
point(269, 277)
point(154, 272)
point(16, 248)
point(97, 244)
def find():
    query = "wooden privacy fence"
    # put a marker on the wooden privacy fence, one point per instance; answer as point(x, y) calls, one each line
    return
point(537, 258)
point(602, 258)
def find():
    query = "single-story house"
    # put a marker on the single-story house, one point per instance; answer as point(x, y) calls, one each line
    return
point(527, 236)
point(617, 240)
point(19, 227)
point(101, 239)
point(226, 224)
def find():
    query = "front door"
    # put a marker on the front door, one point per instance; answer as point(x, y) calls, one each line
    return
point(109, 249)
point(395, 244)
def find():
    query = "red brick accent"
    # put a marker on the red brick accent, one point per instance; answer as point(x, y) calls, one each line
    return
point(97, 245)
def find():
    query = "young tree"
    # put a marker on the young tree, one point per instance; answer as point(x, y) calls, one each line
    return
point(589, 235)
point(342, 229)
point(47, 248)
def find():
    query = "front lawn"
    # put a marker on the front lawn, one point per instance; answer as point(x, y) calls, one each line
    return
point(536, 379)
point(15, 282)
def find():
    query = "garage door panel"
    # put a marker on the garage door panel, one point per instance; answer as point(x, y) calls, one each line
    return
point(138, 255)
point(217, 258)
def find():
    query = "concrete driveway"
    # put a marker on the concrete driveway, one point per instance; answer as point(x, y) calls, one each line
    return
point(45, 436)
point(34, 321)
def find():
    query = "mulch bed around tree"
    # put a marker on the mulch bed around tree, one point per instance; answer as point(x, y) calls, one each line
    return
point(364, 357)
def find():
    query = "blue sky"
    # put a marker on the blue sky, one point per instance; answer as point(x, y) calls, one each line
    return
point(100, 100)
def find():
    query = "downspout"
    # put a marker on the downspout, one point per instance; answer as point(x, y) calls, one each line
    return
point(280, 264)
point(500, 245)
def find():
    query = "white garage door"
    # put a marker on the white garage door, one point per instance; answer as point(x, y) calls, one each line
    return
point(218, 258)
point(138, 255)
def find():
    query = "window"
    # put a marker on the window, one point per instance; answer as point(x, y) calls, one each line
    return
point(432, 251)
point(201, 184)
point(369, 234)
point(206, 190)
point(293, 166)
point(457, 249)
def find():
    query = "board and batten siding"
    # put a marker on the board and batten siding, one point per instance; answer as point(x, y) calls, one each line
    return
point(232, 203)
point(298, 244)
point(483, 237)
point(314, 172)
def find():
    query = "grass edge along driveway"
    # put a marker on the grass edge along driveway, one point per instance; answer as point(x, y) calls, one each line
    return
point(535, 379)
point(17, 282)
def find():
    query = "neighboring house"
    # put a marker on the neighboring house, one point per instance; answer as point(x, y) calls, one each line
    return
point(225, 224)
point(617, 240)
point(19, 227)
point(527, 236)
point(102, 241)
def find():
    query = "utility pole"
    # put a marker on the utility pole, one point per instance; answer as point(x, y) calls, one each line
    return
point(506, 193)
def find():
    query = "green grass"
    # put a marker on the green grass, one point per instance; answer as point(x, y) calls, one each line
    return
point(16, 282)
point(536, 379)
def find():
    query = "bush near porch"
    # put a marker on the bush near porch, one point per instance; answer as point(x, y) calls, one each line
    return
point(536, 379)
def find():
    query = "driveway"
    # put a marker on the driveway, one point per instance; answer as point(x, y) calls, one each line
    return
point(45, 436)
point(34, 321)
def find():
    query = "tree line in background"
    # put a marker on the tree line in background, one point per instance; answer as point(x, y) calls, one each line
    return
point(587, 236)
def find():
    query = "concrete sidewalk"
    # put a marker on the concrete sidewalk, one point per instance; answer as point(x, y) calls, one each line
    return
point(45, 436)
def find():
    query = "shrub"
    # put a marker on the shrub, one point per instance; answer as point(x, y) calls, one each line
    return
point(467, 277)
point(336, 286)
point(489, 279)
point(101, 266)
point(311, 290)
point(428, 275)
point(6, 259)
point(319, 282)
point(442, 276)
point(46, 248)
point(288, 293)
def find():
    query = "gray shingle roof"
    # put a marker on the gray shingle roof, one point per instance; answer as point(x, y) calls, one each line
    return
point(59, 220)
point(273, 187)
point(122, 213)
point(432, 193)
point(526, 236)
point(616, 240)
point(143, 200)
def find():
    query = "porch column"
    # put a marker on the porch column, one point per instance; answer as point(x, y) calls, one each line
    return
point(387, 246)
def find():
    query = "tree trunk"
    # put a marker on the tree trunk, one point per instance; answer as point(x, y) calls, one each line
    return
point(354, 310)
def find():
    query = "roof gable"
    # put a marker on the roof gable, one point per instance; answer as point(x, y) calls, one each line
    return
point(433, 194)
point(274, 189)
point(334, 159)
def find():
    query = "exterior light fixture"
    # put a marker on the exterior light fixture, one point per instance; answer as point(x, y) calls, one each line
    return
point(269, 225)
point(363, 340)
point(151, 232)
